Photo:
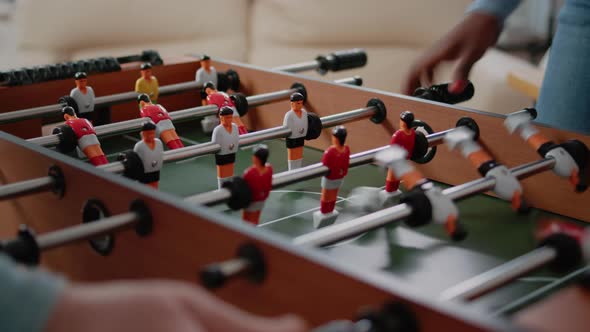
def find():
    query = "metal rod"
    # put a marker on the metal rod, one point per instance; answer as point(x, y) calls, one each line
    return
point(338, 232)
point(123, 127)
point(484, 184)
point(251, 138)
point(355, 80)
point(495, 278)
point(86, 231)
point(210, 197)
point(340, 118)
point(233, 267)
point(99, 101)
point(264, 98)
point(301, 174)
point(180, 115)
point(18, 189)
point(437, 138)
point(299, 67)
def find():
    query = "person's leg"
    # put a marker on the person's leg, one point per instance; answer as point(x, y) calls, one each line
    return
point(564, 101)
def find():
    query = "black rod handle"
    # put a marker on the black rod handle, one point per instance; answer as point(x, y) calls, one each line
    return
point(441, 93)
point(249, 263)
point(342, 60)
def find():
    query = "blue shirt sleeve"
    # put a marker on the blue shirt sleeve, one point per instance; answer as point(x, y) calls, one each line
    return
point(27, 297)
point(499, 8)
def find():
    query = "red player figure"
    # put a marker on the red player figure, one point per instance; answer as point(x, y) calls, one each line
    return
point(151, 152)
point(158, 114)
point(337, 159)
point(83, 95)
point(226, 135)
point(222, 99)
point(87, 140)
point(296, 120)
point(405, 137)
point(259, 179)
point(148, 83)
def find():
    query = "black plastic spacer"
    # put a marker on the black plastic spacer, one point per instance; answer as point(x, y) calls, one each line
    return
point(233, 79)
point(314, 126)
point(241, 194)
point(421, 207)
point(212, 276)
point(24, 249)
point(241, 103)
point(323, 65)
point(93, 210)
point(257, 265)
point(59, 181)
point(569, 252)
point(67, 138)
point(301, 89)
point(532, 111)
point(152, 56)
point(422, 157)
point(420, 148)
point(546, 147)
point(68, 101)
point(484, 168)
point(381, 113)
point(440, 93)
point(358, 81)
point(469, 123)
point(393, 316)
point(579, 151)
point(132, 164)
point(228, 80)
point(145, 222)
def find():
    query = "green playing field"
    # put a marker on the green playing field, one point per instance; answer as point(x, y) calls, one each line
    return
point(424, 257)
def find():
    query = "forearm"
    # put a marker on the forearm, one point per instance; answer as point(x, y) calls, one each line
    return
point(28, 297)
point(498, 8)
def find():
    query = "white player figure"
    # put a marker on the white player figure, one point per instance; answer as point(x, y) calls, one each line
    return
point(83, 95)
point(151, 152)
point(507, 186)
point(296, 120)
point(443, 209)
point(228, 137)
point(207, 73)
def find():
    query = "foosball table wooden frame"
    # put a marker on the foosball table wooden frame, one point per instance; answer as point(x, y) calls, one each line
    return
point(185, 238)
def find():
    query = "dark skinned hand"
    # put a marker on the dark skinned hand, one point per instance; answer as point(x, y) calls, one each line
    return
point(465, 44)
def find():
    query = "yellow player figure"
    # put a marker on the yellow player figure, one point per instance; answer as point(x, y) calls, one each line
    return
point(148, 83)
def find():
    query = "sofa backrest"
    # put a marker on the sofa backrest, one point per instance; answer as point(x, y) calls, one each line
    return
point(71, 26)
point(415, 23)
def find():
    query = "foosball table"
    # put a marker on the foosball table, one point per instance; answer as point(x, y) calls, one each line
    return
point(510, 268)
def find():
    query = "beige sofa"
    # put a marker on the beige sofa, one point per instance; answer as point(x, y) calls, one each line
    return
point(263, 32)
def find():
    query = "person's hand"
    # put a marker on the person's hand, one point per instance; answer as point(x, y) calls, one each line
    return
point(465, 43)
point(156, 306)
